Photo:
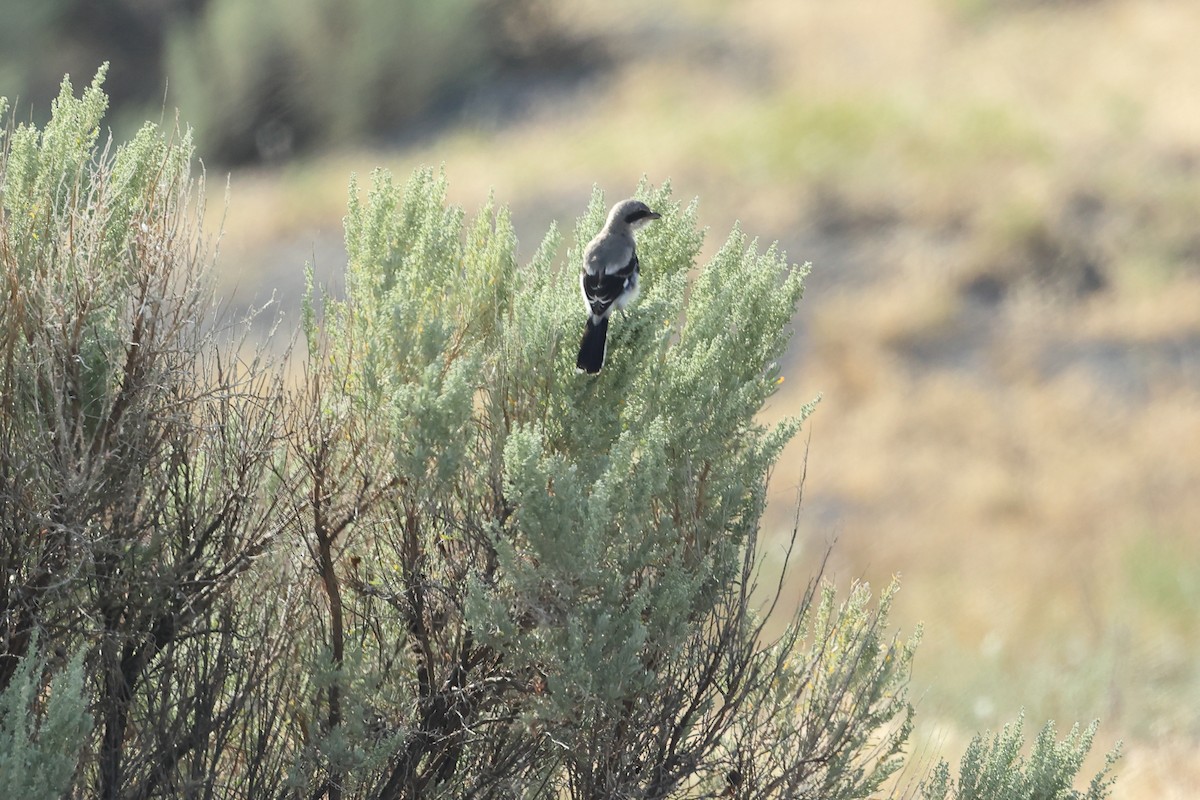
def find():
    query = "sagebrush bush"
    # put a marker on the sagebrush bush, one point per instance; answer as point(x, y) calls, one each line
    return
point(565, 563)
point(44, 724)
point(136, 447)
point(997, 769)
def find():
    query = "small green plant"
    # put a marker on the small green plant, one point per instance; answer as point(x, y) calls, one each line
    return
point(997, 770)
point(44, 725)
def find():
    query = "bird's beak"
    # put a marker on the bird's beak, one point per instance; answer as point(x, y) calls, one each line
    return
point(654, 215)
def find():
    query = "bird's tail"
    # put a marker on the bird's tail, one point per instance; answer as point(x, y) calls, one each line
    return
point(593, 346)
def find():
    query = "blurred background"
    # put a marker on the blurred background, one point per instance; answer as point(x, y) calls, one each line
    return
point(1001, 201)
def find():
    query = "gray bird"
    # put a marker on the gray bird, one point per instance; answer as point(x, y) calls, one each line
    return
point(610, 278)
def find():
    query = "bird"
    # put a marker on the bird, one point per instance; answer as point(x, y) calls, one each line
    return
point(610, 278)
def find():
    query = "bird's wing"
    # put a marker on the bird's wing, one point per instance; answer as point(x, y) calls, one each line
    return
point(602, 289)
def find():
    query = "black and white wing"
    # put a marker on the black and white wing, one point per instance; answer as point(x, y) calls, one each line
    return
point(602, 289)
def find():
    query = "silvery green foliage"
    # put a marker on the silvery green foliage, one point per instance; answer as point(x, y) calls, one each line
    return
point(557, 585)
point(43, 729)
point(77, 220)
point(996, 769)
point(137, 445)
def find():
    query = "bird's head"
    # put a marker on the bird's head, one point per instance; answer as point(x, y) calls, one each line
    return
point(633, 213)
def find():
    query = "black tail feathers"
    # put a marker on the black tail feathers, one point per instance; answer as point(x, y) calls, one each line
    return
point(593, 347)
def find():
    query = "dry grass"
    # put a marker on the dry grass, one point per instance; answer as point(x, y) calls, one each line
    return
point(1028, 461)
point(1044, 524)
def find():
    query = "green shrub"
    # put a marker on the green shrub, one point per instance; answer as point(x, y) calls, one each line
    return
point(557, 588)
point(997, 770)
point(43, 729)
point(258, 79)
point(137, 440)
